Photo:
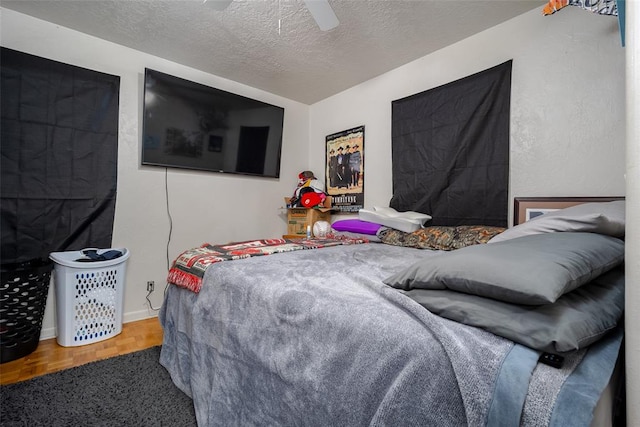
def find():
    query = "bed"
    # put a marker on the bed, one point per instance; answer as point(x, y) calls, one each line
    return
point(356, 333)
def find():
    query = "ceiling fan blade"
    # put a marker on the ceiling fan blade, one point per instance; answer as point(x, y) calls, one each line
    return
point(217, 4)
point(323, 14)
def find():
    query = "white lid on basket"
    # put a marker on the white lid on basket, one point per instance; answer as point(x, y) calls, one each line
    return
point(69, 258)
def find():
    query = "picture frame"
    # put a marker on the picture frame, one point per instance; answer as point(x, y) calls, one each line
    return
point(215, 143)
point(526, 208)
point(531, 213)
point(185, 143)
point(344, 169)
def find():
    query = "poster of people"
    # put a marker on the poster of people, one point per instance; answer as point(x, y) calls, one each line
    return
point(344, 172)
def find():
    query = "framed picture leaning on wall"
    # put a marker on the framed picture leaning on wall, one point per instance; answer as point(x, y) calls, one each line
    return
point(344, 169)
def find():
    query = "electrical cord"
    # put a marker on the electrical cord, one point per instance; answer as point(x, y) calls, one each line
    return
point(166, 193)
point(149, 302)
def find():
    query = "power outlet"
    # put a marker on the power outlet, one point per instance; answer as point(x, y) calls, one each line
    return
point(150, 285)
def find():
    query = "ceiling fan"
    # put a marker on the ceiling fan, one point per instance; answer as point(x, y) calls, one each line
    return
point(320, 10)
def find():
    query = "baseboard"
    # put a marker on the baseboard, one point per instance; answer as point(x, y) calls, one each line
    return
point(48, 333)
point(138, 315)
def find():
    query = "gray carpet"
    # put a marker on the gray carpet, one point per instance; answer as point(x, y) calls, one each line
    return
point(129, 390)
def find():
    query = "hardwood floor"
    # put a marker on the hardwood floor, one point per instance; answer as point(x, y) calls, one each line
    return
point(51, 357)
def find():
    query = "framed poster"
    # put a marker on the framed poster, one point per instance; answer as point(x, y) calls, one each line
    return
point(526, 208)
point(344, 170)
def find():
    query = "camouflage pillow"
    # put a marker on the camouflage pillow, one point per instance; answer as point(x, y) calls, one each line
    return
point(445, 238)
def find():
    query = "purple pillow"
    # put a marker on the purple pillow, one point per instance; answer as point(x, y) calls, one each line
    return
point(356, 226)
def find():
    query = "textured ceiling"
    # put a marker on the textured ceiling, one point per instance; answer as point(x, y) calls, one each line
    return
point(275, 45)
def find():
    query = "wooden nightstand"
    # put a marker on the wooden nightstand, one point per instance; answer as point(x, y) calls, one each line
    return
point(294, 236)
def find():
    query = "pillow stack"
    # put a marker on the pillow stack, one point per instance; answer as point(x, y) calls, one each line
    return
point(540, 285)
point(603, 218)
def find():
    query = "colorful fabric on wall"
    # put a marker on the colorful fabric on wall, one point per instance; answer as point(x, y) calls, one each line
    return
point(602, 7)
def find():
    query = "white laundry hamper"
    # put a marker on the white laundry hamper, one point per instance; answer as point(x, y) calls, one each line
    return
point(88, 296)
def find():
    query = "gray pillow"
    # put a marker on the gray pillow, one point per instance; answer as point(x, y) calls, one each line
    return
point(532, 270)
point(576, 320)
point(602, 218)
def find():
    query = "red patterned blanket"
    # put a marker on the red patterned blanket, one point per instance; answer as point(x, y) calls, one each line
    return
point(189, 268)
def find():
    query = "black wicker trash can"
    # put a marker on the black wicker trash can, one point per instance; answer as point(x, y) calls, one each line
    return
point(23, 298)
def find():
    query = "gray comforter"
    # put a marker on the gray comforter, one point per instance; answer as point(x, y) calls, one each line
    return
point(314, 338)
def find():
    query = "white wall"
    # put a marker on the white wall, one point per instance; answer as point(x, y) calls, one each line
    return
point(567, 104)
point(632, 255)
point(205, 207)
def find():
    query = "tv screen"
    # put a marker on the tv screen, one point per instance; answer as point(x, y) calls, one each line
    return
point(193, 126)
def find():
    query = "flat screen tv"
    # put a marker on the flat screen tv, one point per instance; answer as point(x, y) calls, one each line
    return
point(193, 126)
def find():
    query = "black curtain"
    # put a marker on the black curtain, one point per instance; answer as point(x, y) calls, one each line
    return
point(450, 150)
point(59, 156)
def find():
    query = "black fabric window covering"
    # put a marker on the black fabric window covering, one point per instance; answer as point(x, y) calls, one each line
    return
point(450, 150)
point(59, 156)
